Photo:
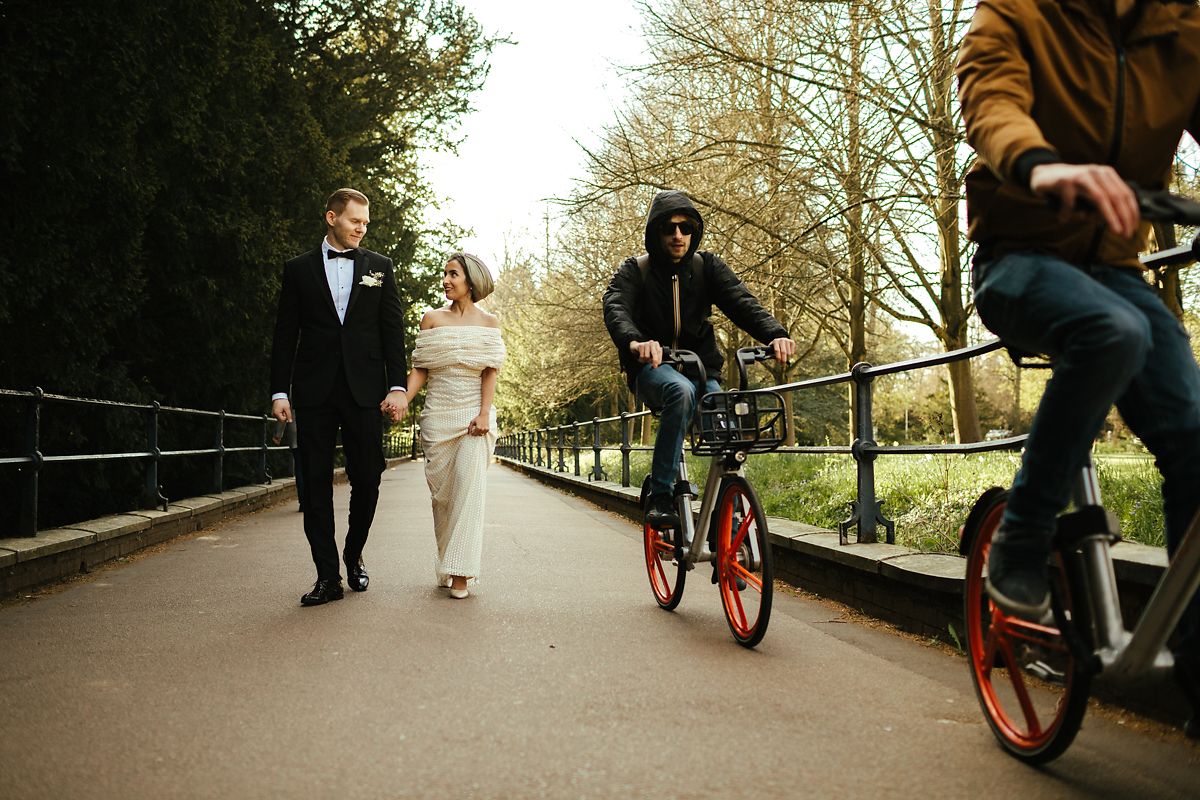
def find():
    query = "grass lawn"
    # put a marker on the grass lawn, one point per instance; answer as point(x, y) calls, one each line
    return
point(927, 496)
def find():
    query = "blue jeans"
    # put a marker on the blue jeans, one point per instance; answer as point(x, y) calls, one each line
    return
point(1113, 341)
point(675, 397)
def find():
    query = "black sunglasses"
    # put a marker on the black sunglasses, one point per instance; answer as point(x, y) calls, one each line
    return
point(685, 228)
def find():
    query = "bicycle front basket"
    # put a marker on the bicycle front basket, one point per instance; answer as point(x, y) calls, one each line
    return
point(750, 422)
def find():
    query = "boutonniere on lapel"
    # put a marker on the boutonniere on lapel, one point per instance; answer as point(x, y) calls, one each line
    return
point(371, 280)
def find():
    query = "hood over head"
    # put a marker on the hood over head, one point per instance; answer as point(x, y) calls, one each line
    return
point(662, 206)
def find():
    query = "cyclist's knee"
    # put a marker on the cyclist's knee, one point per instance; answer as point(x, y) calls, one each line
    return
point(1119, 341)
point(681, 396)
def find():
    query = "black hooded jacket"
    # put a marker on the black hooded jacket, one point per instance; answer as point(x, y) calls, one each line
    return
point(637, 310)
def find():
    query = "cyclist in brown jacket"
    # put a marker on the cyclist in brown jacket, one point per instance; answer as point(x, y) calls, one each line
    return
point(1068, 100)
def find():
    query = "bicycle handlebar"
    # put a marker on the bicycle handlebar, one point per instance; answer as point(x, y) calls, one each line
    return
point(1158, 206)
point(1162, 206)
point(1154, 205)
point(751, 355)
point(745, 355)
point(677, 357)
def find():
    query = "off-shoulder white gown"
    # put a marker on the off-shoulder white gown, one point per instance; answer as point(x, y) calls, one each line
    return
point(455, 462)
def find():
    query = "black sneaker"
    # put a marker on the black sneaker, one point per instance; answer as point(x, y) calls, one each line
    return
point(660, 512)
point(1018, 580)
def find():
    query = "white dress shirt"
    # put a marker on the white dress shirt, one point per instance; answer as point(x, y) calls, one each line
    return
point(339, 274)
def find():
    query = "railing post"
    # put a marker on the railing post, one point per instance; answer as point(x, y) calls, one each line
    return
point(538, 443)
point(414, 441)
point(866, 511)
point(153, 492)
point(562, 435)
point(575, 447)
point(263, 469)
point(597, 470)
point(219, 458)
point(549, 441)
point(27, 521)
point(625, 448)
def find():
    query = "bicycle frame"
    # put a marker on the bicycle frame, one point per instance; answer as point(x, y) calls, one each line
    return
point(722, 465)
point(1121, 654)
point(694, 552)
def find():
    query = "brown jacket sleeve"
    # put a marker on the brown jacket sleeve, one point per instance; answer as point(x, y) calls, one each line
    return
point(996, 92)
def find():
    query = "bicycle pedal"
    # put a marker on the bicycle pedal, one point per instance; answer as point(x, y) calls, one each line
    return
point(1046, 672)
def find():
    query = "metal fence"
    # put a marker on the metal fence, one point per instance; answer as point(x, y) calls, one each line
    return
point(30, 463)
point(550, 447)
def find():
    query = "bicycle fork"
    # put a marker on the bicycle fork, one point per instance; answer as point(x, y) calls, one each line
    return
point(1121, 654)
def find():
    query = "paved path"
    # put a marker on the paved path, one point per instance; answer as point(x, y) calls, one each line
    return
point(194, 672)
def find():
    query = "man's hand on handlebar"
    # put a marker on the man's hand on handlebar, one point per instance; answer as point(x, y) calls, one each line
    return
point(647, 352)
point(784, 349)
point(1098, 184)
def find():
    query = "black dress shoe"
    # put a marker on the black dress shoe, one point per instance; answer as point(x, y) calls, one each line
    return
point(357, 577)
point(323, 591)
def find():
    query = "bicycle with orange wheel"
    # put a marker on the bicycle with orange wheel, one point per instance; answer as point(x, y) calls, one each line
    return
point(1033, 678)
point(729, 426)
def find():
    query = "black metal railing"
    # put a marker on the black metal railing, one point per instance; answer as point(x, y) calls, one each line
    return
point(546, 447)
point(31, 460)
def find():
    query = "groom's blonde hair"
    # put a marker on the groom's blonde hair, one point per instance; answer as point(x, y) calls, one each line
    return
point(338, 200)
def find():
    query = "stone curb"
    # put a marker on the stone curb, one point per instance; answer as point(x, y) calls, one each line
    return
point(57, 553)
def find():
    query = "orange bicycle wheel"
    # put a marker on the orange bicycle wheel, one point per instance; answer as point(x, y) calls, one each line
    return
point(1032, 689)
point(663, 566)
point(744, 573)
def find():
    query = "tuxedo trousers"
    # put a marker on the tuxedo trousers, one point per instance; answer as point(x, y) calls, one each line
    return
point(317, 428)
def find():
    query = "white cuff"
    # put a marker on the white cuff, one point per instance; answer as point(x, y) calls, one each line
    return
point(279, 396)
point(398, 389)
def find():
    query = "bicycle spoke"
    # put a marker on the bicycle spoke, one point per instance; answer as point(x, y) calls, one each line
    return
point(659, 572)
point(1040, 635)
point(741, 611)
point(740, 536)
point(750, 578)
point(1017, 679)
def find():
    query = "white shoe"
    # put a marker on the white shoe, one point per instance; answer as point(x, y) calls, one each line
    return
point(459, 594)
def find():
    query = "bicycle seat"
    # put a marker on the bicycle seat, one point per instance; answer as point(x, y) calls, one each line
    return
point(1027, 360)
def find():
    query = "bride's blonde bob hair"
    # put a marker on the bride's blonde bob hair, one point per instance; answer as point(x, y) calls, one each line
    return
point(479, 277)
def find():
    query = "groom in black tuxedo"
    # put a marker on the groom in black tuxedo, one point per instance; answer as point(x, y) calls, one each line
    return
point(338, 353)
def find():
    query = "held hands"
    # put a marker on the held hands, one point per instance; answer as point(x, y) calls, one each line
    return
point(1098, 183)
point(647, 352)
point(784, 349)
point(395, 405)
point(281, 410)
point(479, 426)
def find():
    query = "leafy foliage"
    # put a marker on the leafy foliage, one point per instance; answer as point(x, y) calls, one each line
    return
point(161, 160)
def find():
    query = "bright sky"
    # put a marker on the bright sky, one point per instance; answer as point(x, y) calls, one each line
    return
point(559, 83)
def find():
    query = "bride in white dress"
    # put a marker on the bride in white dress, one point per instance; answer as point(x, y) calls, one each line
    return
point(458, 355)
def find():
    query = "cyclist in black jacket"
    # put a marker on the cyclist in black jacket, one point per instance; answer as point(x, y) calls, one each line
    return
point(665, 298)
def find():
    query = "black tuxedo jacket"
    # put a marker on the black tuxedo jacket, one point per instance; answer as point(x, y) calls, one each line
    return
point(310, 342)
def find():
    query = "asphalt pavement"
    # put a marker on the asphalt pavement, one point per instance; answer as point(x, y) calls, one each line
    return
point(192, 671)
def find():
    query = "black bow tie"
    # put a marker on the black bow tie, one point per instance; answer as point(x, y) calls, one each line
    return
point(335, 254)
